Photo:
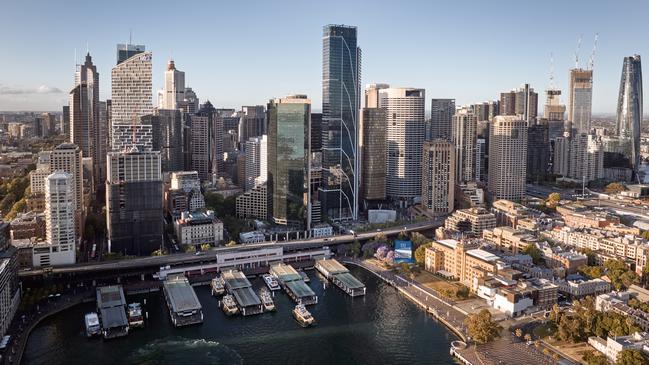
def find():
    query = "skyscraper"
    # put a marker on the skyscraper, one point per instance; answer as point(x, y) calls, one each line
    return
point(538, 151)
point(252, 122)
point(507, 158)
point(201, 146)
point(373, 152)
point(212, 130)
point(341, 66)
point(580, 96)
point(126, 51)
point(554, 112)
point(174, 87)
point(167, 136)
point(289, 160)
point(521, 102)
point(67, 157)
point(405, 135)
point(441, 115)
point(256, 169)
point(464, 139)
point(629, 109)
point(438, 176)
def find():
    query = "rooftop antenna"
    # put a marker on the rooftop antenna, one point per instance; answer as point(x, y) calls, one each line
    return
point(577, 51)
point(130, 36)
point(87, 47)
point(552, 86)
point(591, 62)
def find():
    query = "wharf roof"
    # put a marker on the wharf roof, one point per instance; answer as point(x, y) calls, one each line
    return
point(285, 273)
point(300, 289)
point(110, 296)
point(113, 317)
point(235, 280)
point(246, 297)
point(350, 281)
point(333, 266)
point(181, 294)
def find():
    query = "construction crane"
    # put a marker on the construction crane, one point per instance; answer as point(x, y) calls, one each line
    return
point(591, 61)
point(552, 86)
point(577, 51)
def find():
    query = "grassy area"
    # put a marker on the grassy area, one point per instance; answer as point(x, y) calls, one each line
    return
point(545, 330)
point(375, 226)
point(450, 289)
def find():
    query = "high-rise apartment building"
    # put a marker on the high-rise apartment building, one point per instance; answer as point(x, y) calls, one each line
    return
point(374, 147)
point(134, 202)
point(339, 192)
point(580, 98)
point(201, 146)
point(174, 88)
point(252, 122)
point(554, 112)
point(438, 176)
point(167, 137)
point(256, 162)
point(289, 160)
point(507, 158)
point(538, 151)
point(464, 135)
point(405, 141)
point(67, 157)
point(522, 102)
point(629, 109)
point(189, 183)
point(441, 116)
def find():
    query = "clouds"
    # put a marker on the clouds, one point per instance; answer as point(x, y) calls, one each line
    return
point(43, 89)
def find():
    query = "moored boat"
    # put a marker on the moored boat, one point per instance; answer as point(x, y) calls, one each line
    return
point(93, 328)
point(266, 300)
point(271, 282)
point(229, 305)
point(303, 316)
point(217, 285)
point(135, 317)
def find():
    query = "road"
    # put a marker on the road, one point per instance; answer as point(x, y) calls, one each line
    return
point(157, 261)
point(619, 207)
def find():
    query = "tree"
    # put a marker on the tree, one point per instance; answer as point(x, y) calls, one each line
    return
point(592, 272)
point(355, 248)
point(527, 337)
point(418, 239)
point(190, 248)
point(205, 247)
point(518, 332)
point(631, 357)
point(420, 253)
point(481, 327)
point(554, 197)
point(620, 274)
point(645, 235)
point(534, 252)
point(591, 357)
point(614, 188)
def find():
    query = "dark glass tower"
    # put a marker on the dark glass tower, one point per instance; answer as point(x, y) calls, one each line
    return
point(629, 109)
point(341, 64)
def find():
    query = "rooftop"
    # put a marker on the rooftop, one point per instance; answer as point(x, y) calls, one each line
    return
point(482, 255)
point(235, 279)
point(110, 296)
point(181, 294)
point(450, 243)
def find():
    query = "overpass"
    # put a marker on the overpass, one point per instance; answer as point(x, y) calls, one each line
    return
point(149, 265)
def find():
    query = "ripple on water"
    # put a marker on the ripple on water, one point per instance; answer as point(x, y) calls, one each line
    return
point(179, 350)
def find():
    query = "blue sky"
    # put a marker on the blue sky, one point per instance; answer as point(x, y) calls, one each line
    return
point(245, 52)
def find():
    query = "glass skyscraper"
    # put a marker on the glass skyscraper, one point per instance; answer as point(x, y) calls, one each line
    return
point(629, 109)
point(341, 64)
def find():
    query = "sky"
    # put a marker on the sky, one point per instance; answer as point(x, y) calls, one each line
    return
point(240, 52)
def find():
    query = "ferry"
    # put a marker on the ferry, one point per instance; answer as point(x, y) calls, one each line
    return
point(303, 316)
point(217, 285)
point(304, 276)
point(266, 300)
point(92, 324)
point(229, 305)
point(271, 282)
point(135, 318)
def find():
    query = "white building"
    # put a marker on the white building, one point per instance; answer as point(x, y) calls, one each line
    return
point(614, 345)
point(507, 158)
point(582, 288)
point(59, 246)
point(188, 182)
point(322, 230)
point(198, 228)
point(256, 171)
point(464, 133)
point(174, 87)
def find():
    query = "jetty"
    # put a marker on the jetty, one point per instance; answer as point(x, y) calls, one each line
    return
point(341, 277)
point(111, 306)
point(240, 288)
point(293, 284)
point(183, 304)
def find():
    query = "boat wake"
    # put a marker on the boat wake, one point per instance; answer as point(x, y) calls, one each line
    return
point(179, 350)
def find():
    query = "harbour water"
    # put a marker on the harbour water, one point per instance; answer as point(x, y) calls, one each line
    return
point(382, 327)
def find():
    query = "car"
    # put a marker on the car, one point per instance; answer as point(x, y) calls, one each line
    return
point(378, 229)
point(199, 253)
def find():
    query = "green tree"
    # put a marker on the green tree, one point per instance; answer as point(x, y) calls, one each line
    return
point(591, 357)
point(481, 327)
point(631, 357)
point(355, 248)
point(592, 272)
point(621, 276)
point(190, 248)
point(418, 239)
point(614, 188)
point(205, 247)
point(645, 235)
point(534, 252)
point(420, 253)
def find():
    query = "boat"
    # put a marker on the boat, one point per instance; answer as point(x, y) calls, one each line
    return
point(304, 276)
point(271, 282)
point(303, 316)
point(266, 300)
point(218, 287)
point(229, 305)
point(135, 318)
point(93, 328)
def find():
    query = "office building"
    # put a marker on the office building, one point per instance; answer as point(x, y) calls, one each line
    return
point(134, 202)
point(65, 121)
point(629, 109)
point(126, 51)
point(167, 137)
point(405, 141)
point(522, 102)
point(174, 88)
point(373, 154)
point(316, 133)
point(252, 122)
point(339, 192)
point(507, 158)
point(198, 228)
point(472, 220)
point(460, 260)
point(438, 176)
point(289, 160)
point(9, 287)
point(191, 104)
point(580, 98)
point(188, 183)
point(538, 151)
point(480, 159)
point(256, 162)
point(464, 135)
point(253, 204)
point(441, 115)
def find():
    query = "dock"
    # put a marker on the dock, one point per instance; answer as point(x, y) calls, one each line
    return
point(240, 287)
point(111, 306)
point(183, 304)
point(341, 277)
point(293, 284)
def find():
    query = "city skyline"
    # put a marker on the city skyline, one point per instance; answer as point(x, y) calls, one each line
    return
point(218, 75)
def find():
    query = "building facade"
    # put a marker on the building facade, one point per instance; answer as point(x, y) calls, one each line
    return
point(438, 176)
point(464, 135)
point(629, 109)
point(507, 158)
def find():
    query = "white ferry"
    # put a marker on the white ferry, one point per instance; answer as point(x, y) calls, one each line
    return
point(217, 285)
point(266, 300)
point(135, 317)
point(93, 328)
point(303, 316)
point(271, 282)
point(229, 305)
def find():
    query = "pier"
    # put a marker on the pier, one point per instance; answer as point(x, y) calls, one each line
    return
point(184, 307)
point(240, 287)
point(112, 312)
point(341, 277)
point(293, 284)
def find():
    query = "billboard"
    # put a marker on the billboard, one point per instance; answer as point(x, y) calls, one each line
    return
point(403, 251)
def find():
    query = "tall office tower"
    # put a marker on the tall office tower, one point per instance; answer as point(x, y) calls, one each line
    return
point(494, 109)
point(191, 102)
point(372, 94)
point(629, 109)
point(507, 158)
point(561, 156)
point(481, 111)
point(538, 151)
point(585, 158)
point(341, 77)
point(252, 122)
point(102, 144)
point(59, 247)
point(67, 157)
point(507, 103)
point(131, 95)
point(405, 137)
point(580, 96)
point(463, 135)
point(230, 118)
point(189, 183)
point(554, 113)
point(438, 176)
point(480, 159)
point(316, 132)
point(134, 202)
point(65, 121)
point(201, 146)
point(9, 286)
point(256, 168)
point(126, 51)
point(374, 147)
point(174, 88)
point(441, 115)
point(214, 133)
point(527, 101)
point(289, 160)
point(167, 136)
